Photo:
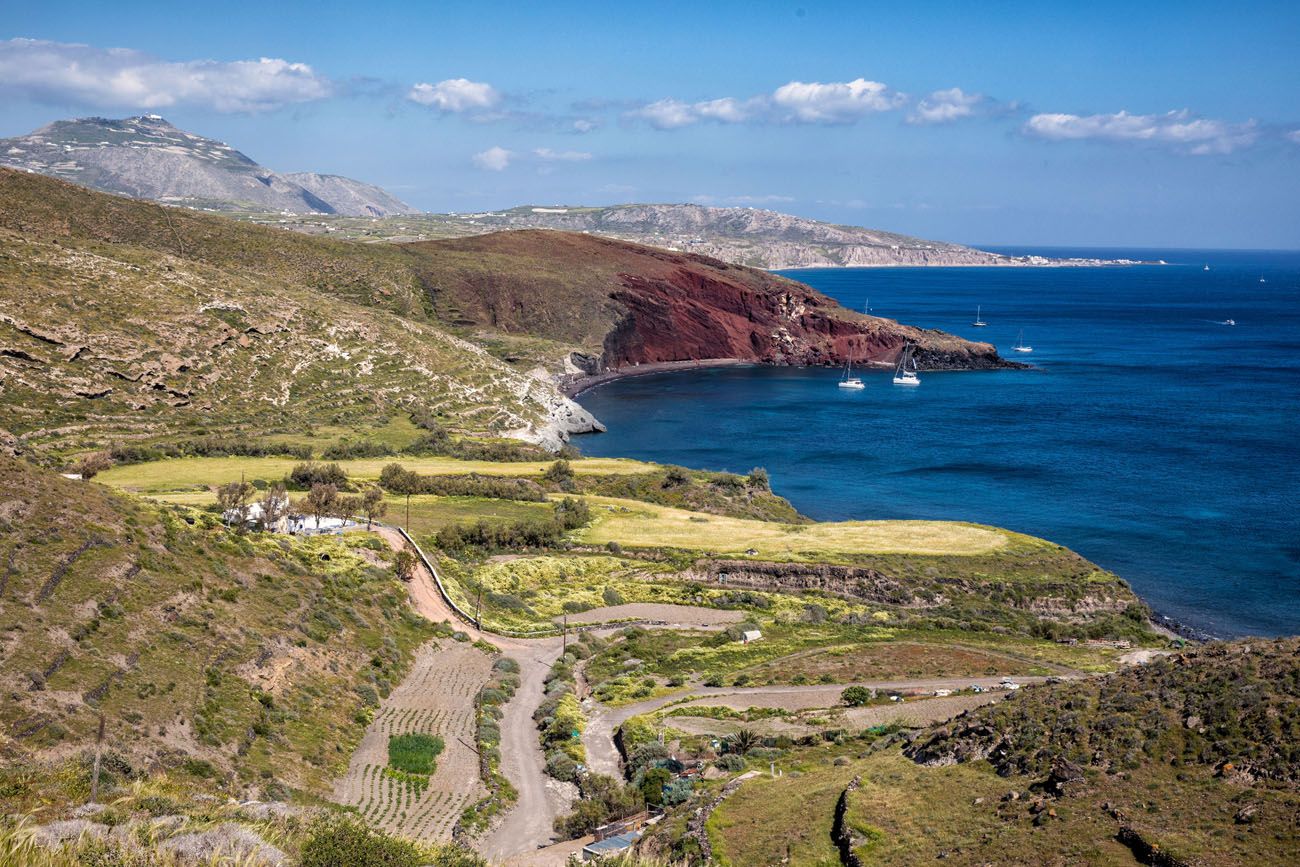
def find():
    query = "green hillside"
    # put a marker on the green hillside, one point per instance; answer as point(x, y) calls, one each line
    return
point(236, 664)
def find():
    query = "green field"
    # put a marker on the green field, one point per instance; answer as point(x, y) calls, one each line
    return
point(643, 525)
point(179, 473)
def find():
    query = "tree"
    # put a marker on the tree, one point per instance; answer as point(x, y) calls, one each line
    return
point(233, 500)
point(348, 507)
point(652, 786)
point(274, 506)
point(676, 477)
point(321, 501)
point(93, 464)
point(404, 564)
point(856, 696)
point(758, 478)
point(373, 505)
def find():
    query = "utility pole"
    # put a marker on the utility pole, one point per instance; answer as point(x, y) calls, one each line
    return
point(564, 636)
point(99, 753)
point(478, 607)
point(407, 528)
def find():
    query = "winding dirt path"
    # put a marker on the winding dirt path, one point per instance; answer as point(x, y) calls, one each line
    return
point(602, 722)
point(529, 824)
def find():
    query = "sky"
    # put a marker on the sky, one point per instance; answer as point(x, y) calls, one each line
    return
point(1170, 124)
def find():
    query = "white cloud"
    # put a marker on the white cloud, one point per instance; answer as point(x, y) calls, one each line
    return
point(1177, 129)
point(585, 124)
point(667, 114)
point(1294, 135)
point(456, 95)
point(795, 102)
point(548, 155)
point(945, 106)
point(836, 102)
point(494, 159)
point(64, 72)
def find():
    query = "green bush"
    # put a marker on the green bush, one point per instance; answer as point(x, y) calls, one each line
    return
point(414, 752)
point(856, 696)
point(336, 841)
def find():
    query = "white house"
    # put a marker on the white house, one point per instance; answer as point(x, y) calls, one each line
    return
point(253, 516)
point(309, 525)
point(750, 635)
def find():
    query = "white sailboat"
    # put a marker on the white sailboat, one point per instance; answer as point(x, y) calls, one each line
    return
point(1206, 268)
point(905, 371)
point(848, 380)
point(1020, 343)
point(979, 321)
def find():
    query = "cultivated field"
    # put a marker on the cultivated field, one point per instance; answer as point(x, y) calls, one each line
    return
point(437, 697)
point(635, 524)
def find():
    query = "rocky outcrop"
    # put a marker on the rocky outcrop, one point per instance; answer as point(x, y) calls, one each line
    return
point(618, 306)
point(847, 581)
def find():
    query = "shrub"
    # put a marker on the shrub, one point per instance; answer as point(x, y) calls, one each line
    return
point(335, 840)
point(731, 762)
point(306, 475)
point(414, 752)
point(611, 596)
point(561, 766)
point(357, 449)
point(856, 696)
point(758, 478)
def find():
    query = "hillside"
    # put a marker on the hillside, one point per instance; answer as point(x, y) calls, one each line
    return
point(147, 158)
point(127, 320)
point(623, 304)
point(1187, 760)
point(239, 664)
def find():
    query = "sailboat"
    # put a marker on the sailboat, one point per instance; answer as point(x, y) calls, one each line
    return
point(1020, 343)
point(905, 371)
point(1206, 268)
point(848, 380)
point(1262, 280)
point(979, 322)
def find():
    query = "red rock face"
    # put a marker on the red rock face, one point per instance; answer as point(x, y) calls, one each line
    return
point(689, 315)
point(642, 305)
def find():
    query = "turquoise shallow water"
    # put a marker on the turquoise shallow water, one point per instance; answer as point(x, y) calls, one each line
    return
point(1150, 438)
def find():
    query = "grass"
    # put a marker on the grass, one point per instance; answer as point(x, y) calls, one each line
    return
point(414, 752)
point(180, 473)
point(642, 525)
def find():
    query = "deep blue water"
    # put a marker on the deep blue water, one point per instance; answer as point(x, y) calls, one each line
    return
point(1149, 438)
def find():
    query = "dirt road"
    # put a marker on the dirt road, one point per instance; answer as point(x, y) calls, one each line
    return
point(602, 756)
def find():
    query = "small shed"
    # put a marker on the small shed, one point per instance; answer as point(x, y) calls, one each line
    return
point(615, 845)
point(750, 635)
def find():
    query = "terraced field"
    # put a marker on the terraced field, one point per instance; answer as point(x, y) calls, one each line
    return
point(436, 698)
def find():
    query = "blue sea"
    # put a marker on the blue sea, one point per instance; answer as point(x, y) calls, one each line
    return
point(1149, 437)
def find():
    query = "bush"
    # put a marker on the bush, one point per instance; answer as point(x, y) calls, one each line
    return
point(399, 480)
point(358, 449)
point(758, 478)
point(336, 840)
point(611, 596)
point(305, 476)
point(561, 766)
point(856, 696)
point(731, 762)
point(559, 472)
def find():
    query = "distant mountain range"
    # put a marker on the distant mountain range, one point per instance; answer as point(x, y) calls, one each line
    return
point(147, 158)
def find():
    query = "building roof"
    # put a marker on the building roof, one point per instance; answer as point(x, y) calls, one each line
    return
point(612, 844)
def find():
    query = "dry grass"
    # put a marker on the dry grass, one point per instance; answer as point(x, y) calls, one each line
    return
point(642, 525)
